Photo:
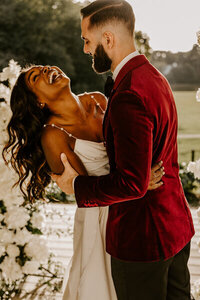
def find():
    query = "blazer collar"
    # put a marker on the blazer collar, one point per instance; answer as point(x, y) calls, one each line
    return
point(133, 63)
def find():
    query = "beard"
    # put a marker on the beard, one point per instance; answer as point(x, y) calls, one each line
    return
point(101, 61)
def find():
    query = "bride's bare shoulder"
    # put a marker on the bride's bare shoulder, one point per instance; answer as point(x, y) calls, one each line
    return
point(99, 97)
point(52, 136)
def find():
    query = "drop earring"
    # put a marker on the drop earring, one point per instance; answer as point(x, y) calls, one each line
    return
point(42, 105)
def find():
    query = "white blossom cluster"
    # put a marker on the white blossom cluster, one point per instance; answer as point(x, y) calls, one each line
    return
point(194, 167)
point(198, 95)
point(196, 285)
point(198, 37)
point(198, 91)
point(22, 249)
point(8, 78)
point(9, 74)
point(196, 290)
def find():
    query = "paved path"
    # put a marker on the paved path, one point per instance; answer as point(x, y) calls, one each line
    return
point(62, 247)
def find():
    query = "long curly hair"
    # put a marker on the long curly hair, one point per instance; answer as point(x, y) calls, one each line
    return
point(23, 149)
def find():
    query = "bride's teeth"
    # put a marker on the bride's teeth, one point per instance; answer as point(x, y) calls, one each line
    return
point(52, 78)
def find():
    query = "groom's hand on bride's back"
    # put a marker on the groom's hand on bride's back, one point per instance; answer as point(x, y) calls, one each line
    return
point(65, 181)
point(157, 172)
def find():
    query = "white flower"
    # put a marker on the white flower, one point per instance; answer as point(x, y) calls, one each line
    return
point(12, 200)
point(4, 75)
point(11, 270)
point(198, 212)
point(191, 167)
point(37, 220)
point(37, 249)
point(2, 250)
point(7, 181)
point(1, 218)
point(16, 217)
point(11, 72)
point(198, 37)
point(22, 236)
point(198, 95)
point(5, 113)
point(6, 236)
point(183, 164)
point(142, 48)
point(12, 250)
point(30, 267)
point(196, 290)
point(194, 167)
point(5, 92)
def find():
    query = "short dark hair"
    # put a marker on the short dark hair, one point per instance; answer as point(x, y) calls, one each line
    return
point(103, 11)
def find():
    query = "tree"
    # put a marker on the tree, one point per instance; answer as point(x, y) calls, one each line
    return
point(142, 43)
point(182, 68)
point(47, 32)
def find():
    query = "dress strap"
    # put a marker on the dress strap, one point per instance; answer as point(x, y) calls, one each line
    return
point(61, 128)
point(98, 104)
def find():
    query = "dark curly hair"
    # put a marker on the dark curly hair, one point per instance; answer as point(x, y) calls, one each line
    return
point(23, 149)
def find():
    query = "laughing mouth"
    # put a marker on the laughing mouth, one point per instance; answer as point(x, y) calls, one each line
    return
point(53, 76)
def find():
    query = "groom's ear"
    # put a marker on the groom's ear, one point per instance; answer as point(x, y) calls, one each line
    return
point(108, 39)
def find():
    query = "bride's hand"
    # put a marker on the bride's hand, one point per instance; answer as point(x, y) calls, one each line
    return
point(157, 173)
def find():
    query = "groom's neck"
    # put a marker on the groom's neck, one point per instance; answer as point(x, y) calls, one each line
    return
point(121, 53)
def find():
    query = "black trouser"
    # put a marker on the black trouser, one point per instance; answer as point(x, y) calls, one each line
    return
point(162, 280)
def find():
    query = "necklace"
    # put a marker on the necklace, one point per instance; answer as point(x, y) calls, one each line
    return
point(69, 134)
point(98, 104)
point(61, 128)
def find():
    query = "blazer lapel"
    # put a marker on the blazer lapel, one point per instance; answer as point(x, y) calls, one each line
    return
point(133, 63)
point(106, 112)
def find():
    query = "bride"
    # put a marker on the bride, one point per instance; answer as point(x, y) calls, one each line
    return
point(47, 120)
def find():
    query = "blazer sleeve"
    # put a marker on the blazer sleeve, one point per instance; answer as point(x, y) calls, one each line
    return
point(132, 127)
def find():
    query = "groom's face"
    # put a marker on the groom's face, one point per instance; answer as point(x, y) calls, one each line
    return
point(93, 46)
point(101, 61)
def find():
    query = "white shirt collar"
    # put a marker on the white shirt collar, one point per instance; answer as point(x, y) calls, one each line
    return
point(123, 62)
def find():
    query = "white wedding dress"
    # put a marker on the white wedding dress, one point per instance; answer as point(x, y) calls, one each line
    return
point(88, 276)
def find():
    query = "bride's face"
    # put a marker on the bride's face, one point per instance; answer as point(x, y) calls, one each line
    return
point(47, 83)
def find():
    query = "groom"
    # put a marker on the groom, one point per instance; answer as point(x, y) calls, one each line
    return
point(148, 232)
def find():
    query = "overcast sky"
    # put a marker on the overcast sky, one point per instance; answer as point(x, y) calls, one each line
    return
point(170, 24)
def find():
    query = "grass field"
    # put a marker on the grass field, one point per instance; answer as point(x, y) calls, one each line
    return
point(189, 123)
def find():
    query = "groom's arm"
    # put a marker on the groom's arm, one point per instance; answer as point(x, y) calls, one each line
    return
point(132, 127)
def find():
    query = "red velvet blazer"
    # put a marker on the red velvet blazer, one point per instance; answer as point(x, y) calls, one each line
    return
point(140, 129)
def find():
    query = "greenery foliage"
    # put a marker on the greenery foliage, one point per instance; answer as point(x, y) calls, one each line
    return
point(54, 194)
point(190, 185)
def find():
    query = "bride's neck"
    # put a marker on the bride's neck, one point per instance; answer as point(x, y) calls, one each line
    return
point(69, 111)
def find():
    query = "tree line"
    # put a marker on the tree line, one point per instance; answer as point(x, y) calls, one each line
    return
point(182, 69)
point(47, 32)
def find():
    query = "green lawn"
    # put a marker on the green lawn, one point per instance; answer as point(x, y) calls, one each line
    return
point(189, 123)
